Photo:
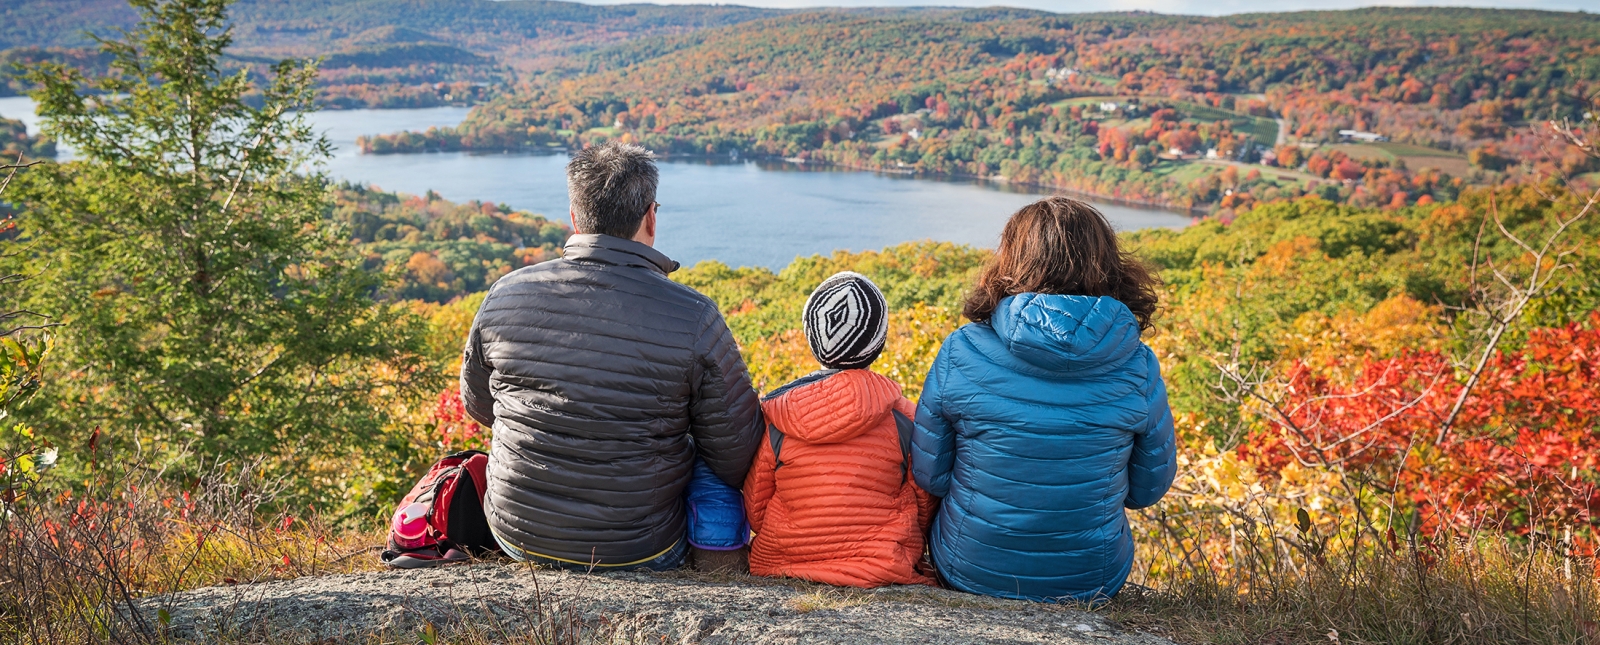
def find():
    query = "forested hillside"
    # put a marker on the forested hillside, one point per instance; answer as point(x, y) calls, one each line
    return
point(412, 53)
point(309, 24)
point(1135, 106)
point(436, 250)
point(15, 140)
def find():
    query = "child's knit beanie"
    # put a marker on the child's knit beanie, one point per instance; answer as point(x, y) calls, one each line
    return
point(846, 321)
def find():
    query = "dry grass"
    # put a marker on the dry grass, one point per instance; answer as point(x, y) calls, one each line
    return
point(1294, 586)
point(827, 599)
point(73, 563)
point(95, 565)
point(1371, 586)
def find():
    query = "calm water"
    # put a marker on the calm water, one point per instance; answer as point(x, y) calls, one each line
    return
point(742, 213)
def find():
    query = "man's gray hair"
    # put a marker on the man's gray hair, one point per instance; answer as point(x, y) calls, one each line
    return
point(611, 186)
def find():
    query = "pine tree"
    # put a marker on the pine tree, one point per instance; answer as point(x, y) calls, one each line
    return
point(210, 307)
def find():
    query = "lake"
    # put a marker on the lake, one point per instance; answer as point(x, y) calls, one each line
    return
point(742, 213)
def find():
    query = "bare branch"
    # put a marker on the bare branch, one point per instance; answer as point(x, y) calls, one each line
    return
point(14, 168)
point(1519, 297)
point(23, 328)
point(1250, 388)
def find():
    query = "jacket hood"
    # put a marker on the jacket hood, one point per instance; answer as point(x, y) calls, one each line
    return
point(1061, 333)
point(831, 406)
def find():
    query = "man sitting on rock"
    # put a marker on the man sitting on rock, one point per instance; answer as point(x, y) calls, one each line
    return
point(603, 380)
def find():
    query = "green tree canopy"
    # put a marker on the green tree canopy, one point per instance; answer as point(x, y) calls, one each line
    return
point(211, 306)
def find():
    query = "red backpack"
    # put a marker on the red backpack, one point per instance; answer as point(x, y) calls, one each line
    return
point(441, 520)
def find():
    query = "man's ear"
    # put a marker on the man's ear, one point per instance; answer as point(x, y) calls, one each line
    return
point(649, 223)
point(574, 216)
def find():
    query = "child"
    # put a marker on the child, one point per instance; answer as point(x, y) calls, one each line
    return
point(830, 498)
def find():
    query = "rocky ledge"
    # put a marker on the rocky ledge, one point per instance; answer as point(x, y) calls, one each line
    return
point(508, 603)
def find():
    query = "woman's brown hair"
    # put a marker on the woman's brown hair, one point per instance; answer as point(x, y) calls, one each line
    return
point(1060, 245)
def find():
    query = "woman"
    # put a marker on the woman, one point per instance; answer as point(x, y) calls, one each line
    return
point(1046, 416)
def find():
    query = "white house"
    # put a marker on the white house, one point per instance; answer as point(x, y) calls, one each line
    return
point(1358, 135)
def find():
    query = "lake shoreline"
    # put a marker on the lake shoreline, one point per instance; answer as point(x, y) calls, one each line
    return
point(755, 210)
point(992, 180)
point(1196, 212)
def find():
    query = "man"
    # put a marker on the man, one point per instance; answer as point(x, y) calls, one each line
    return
point(603, 380)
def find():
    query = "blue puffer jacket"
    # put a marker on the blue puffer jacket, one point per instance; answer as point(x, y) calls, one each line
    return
point(1038, 428)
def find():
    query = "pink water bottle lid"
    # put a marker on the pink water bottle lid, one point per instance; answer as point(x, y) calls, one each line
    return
point(410, 525)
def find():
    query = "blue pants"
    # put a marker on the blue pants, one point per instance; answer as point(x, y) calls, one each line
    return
point(716, 512)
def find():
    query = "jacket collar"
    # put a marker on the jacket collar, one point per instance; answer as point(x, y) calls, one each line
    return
point(618, 251)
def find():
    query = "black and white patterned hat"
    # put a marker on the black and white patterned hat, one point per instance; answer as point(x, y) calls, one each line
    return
point(846, 321)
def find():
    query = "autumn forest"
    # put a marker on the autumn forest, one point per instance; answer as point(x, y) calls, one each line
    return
point(1380, 334)
point(1377, 107)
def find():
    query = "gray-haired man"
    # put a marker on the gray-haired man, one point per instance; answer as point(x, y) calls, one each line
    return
point(603, 380)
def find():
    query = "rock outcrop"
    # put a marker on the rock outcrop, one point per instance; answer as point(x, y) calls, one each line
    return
point(498, 602)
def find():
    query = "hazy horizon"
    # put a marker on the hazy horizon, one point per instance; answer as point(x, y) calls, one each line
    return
point(1188, 7)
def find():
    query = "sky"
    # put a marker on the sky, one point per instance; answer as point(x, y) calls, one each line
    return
point(1191, 7)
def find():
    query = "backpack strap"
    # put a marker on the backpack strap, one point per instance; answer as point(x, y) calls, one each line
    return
point(905, 427)
point(775, 437)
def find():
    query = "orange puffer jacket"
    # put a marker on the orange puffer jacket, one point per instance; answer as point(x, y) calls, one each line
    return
point(840, 509)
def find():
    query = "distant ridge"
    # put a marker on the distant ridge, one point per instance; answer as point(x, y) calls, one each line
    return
point(287, 24)
point(392, 34)
point(381, 53)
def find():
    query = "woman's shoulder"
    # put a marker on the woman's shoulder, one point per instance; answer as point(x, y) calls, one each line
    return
point(971, 351)
point(969, 334)
point(963, 343)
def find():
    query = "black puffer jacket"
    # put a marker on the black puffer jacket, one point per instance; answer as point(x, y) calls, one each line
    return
point(601, 379)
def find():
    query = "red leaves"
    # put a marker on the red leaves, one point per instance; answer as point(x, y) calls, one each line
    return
point(1348, 170)
point(453, 423)
point(1524, 451)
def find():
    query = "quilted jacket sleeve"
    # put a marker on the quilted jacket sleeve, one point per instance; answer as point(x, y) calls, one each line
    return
point(1154, 462)
point(933, 445)
point(927, 505)
point(475, 396)
point(725, 414)
point(759, 487)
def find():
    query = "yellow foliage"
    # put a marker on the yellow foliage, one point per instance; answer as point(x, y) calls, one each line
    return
point(448, 325)
point(1225, 504)
point(429, 270)
point(1282, 259)
point(915, 336)
point(1392, 326)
